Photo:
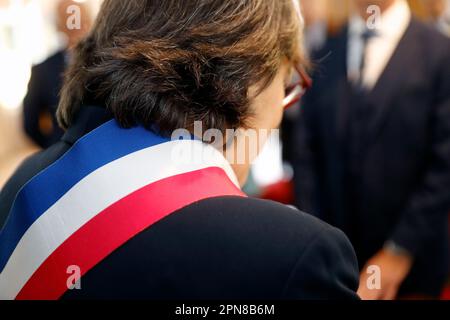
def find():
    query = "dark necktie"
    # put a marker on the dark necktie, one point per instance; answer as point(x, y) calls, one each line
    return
point(366, 36)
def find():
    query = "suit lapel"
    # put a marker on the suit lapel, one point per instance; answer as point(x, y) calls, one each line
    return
point(340, 85)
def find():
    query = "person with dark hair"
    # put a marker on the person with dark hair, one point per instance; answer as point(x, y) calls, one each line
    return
point(133, 202)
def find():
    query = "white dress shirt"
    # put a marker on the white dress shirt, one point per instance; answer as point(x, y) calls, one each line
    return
point(380, 48)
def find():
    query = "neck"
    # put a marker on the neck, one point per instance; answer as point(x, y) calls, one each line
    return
point(241, 172)
point(241, 168)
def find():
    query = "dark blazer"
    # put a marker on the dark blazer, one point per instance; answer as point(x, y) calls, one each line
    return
point(42, 97)
point(390, 147)
point(219, 248)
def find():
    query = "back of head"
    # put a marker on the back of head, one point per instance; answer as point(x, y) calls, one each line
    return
point(173, 62)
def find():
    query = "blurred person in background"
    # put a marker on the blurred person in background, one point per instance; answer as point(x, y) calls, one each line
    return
point(435, 12)
point(372, 155)
point(41, 101)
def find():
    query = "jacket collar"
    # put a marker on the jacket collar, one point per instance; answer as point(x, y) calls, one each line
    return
point(86, 120)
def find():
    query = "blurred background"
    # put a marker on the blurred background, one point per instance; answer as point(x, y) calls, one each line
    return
point(30, 33)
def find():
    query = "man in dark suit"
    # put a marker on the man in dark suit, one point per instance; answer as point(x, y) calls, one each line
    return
point(41, 101)
point(373, 147)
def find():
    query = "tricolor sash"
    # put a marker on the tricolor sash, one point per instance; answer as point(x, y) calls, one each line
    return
point(111, 185)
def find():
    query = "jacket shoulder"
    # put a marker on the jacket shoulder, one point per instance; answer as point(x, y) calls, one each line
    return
point(29, 168)
point(269, 219)
point(318, 260)
point(253, 210)
point(325, 265)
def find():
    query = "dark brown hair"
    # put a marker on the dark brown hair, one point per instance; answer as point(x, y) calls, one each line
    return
point(174, 62)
